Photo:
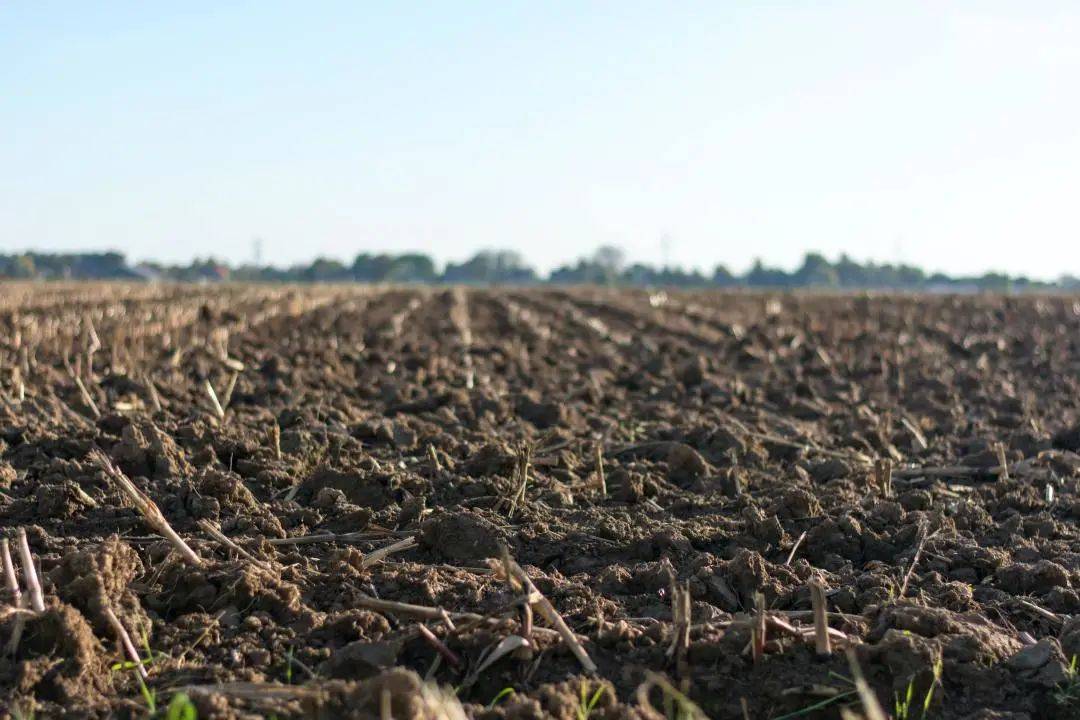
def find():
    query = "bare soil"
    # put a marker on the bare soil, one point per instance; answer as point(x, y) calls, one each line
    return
point(750, 445)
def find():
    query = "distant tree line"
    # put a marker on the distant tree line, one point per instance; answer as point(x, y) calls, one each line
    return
point(606, 266)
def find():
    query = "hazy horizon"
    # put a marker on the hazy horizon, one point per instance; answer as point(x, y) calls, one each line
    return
point(942, 137)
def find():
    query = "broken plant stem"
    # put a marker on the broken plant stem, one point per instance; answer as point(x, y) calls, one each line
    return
point(757, 640)
point(86, 398)
point(424, 612)
point(10, 580)
point(680, 641)
point(545, 608)
point(215, 532)
point(821, 620)
point(434, 458)
point(33, 586)
point(521, 474)
point(795, 548)
point(218, 410)
point(352, 537)
point(601, 481)
point(226, 397)
point(1042, 612)
point(376, 555)
point(884, 471)
point(275, 439)
point(439, 645)
point(151, 391)
point(923, 537)
point(147, 508)
point(125, 641)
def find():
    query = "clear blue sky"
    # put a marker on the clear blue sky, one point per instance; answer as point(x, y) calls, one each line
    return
point(942, 134)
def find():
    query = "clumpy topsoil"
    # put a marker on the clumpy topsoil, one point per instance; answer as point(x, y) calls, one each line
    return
point(750, 446)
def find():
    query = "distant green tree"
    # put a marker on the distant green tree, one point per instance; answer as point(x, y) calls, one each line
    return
point(816, 272)
point(762, 276)
point(326, 270)
point(490, 266)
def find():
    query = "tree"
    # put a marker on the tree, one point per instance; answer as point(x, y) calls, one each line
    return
point(816, 272)
point(610, 258)
point(490, 266)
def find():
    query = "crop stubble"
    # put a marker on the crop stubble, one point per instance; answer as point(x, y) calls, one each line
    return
point(354, 489)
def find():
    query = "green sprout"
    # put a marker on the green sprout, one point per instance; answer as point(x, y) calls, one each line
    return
point(588, 703)
point(504, 693)
point(181, 708)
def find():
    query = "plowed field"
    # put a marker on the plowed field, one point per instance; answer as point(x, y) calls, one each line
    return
point(546, 503)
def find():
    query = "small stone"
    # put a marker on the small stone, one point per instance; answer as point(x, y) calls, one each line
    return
point(685, 464)
point(1032, 657)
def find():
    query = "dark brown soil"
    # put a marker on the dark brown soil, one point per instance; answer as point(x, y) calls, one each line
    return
point(729, 426)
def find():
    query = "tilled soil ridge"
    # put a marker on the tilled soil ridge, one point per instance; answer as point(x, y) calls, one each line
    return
point(425, 503)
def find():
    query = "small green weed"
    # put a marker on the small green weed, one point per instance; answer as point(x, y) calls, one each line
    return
point(903, 707)
point(149, 695)
point(181, 708)
point(504, 693)
point(1066, 696)
point(817, 706)
point(676, 705)
point(19, 712)
point(588, 703)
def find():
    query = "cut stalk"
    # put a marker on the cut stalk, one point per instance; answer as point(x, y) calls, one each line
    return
point(125, 641)
point(215, 532)
point(821, 620)
point(377, 555)
point(89, 401)
point(218, 410)
point(226, 397)
point(151, 390)
point(757, 640)
point(794, 548)
point(33, 586)
point(147, 508)
point(275, 440)
point(601, 481)
point(545, 608)
point(10, 581)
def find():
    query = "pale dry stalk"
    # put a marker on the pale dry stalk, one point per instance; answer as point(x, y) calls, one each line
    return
point(821, 620)
point(275, 440)
point(147, 508)
point(10, 580)
point(125, 641)
point(226, 397)
point(86, 398)
point(377, 555)
point(215, 532)
point(218, 410)
point(601, 481)
point(33, 585)
point(542, 605)
point(757, 640)
point(151, 390)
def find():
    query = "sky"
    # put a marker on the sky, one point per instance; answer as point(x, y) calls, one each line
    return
point(945, 135)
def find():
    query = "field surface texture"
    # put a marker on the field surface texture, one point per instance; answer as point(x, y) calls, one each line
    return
point(364, 502)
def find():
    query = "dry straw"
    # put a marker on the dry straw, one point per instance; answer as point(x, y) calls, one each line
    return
point(33, 586)
point(147, 508)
